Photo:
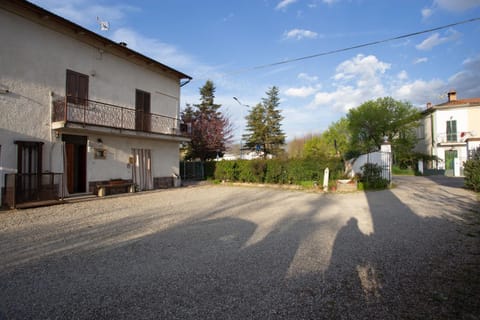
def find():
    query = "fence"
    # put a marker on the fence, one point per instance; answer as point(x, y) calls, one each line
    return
point(380, 158)
point(22, 188)
point(192, 170)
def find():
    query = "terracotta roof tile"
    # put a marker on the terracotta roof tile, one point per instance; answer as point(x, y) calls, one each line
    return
point(460, 101)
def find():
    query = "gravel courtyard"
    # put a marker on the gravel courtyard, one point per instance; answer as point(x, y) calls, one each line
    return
point(225, 252)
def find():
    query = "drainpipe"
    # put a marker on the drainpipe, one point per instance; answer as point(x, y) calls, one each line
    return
point(432, 129)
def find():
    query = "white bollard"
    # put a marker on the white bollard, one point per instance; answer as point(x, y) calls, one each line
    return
point(325, 179)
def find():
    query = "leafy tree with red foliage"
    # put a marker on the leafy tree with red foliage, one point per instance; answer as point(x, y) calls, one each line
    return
point(211, 130)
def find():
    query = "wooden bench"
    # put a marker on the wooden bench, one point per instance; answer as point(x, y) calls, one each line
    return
point(124, 186)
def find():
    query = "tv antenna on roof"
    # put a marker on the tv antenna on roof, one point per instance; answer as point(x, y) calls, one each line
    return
point(104, 25)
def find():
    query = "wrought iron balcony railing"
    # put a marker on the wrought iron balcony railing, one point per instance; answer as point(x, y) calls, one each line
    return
point(89, 112)
point(451, 137)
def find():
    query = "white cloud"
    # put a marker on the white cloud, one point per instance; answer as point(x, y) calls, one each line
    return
point(282, 5)
point(357, 80)
point(345, 98)
point(307, 77)
point(457, 5)
point(84, 13)
point(163, 52)
point(435, 40)
point(301, 92)
point(361, 67)
point(402, 75)
point(466, 81)
point(420, 60)
point(300, 34)
point(419, 92)
point(426, 12)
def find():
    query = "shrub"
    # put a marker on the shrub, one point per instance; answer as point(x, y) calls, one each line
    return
point(275, 171)
point(472, 171)
point(226, 170)
point(251, 170)
point(209, 169)
point(372, 177)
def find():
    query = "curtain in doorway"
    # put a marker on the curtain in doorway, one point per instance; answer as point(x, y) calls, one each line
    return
point(142, 169)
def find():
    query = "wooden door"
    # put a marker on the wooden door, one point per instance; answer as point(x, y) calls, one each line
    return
point(76, 163)
point(142, 111)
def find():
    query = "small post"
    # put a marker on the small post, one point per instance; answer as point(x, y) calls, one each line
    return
point(325, 179)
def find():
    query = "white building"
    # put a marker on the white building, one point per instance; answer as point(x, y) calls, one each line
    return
point(76, 103)
point(449, 131)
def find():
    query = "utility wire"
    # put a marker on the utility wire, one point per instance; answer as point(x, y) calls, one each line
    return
point(358, 46)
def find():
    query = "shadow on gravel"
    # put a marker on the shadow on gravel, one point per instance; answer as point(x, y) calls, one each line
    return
point(409, 267)
point(453, 182)
point(203, 268)
point(208, 267)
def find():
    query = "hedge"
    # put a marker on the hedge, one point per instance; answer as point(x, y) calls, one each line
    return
point(277, 171)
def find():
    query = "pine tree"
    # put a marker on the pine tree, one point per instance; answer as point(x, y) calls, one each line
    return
point(211, 129)
point(264, 130)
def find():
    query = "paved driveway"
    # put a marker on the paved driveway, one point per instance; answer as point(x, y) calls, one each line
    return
point(214, 252)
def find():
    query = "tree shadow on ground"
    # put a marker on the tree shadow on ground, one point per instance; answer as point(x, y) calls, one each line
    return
point(317, 262)
point(409, 267)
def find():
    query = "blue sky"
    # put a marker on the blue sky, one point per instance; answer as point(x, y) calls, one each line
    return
point(225, 41)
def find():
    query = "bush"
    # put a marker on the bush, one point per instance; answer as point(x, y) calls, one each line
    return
point(226, 170)
point(472, 171)
point(281, 171)
point(209, 169)
point(275, 171)
point(371, 177)
point(252, 171)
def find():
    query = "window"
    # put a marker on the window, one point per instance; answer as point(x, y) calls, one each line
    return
point(76, 87)
point(421, 132)
point(29, 157)
point(452, 131)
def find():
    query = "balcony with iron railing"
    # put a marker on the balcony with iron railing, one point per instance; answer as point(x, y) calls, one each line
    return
point(84, 112)
point(450, 138)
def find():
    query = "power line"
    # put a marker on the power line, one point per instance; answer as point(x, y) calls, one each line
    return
point(325, 53)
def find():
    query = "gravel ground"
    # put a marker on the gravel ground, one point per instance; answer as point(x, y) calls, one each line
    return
point(231, 252)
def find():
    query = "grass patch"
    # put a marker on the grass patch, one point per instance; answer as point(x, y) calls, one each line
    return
point(402, 172)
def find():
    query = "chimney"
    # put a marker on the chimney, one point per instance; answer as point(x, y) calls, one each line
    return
point(429, 105)
point(452, 95)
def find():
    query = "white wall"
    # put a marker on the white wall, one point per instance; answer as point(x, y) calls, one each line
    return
point(118, 150)
point(442, 116)
point(33, 63)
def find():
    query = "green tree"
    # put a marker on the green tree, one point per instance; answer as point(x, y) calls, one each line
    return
point(335, 141)
point(316, 147)
point(263, 127)
point(337, 138)
point(211, 130)
point(372, 121)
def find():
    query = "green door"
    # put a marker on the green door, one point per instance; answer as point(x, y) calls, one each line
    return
point(450, 155)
